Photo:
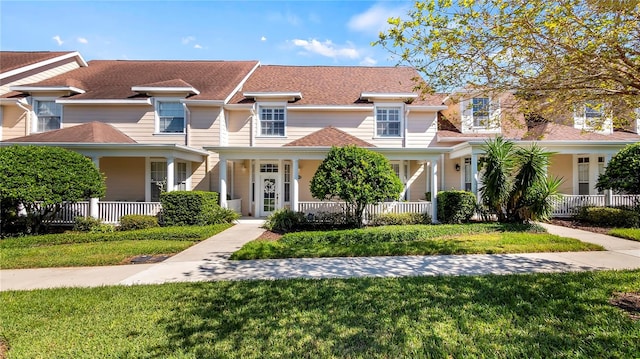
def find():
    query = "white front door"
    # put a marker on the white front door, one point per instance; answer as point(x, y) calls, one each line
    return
point(268, 193)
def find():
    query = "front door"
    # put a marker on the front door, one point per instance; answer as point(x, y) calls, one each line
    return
point(268, 193)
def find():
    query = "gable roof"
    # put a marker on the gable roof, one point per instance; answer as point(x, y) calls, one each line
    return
point(328, 137)
point(113, 79)
point(92, 132)
point(333, 85)
point(12, 60)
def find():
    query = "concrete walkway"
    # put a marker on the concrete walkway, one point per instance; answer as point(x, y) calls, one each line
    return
point(207, 261)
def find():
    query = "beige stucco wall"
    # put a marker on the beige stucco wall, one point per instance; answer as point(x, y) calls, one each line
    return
point(14, 120)
point(452, 178)
point(562, 166)
point(125, 178)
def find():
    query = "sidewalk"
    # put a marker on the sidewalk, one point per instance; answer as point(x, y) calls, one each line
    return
point(207, 261)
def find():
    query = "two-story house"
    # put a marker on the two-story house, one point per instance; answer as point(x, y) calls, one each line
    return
point(258, 132)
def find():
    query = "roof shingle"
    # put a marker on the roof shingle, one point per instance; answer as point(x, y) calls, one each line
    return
point(92, 132)
point(11, 60)
point(328, 137)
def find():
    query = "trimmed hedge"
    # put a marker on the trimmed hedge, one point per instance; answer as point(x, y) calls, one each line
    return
point(609, 217)
point(456, 207)
point(188, 207)
point(137, 221)
point(395, 219)
point(88, 224)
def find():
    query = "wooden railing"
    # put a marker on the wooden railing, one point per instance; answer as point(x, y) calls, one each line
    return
point(316, 208)
point(110, 212)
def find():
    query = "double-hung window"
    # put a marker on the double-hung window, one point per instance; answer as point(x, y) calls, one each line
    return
point(272, 121)
point(583, 175)
point(388, 122)
point(48, 115)
point(593, 113)
point(170, 117)
point(480, 109)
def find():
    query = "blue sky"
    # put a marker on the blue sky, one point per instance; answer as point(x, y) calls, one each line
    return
point(273, 32)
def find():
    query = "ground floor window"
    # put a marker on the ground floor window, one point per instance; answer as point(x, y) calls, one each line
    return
point(467, 174)
point(583, 176)
point(159, 178)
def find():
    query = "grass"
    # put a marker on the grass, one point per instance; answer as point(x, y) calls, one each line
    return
point(627, 233)
point(514, 316)
point(94, 249)
point(484, 238)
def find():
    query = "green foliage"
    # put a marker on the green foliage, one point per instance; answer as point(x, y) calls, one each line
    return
point(552, 54)
point(609, 217)
point(456, 206)
point(188, 207)
point(41, 178)
point(515, 186)
point(627, 233)
point(285, 220)
point(623, 171)
point(88, 224)
point(221, 215)
point(356, 176)
point(137, 221)
point(393, 219)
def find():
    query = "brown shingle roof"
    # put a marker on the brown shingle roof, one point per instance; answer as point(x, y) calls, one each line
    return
point(11, 60)
point(333, 85)
point(111, 79)
point(327, 137)
point(167, 83)
point(550, 131)
point(92, 132)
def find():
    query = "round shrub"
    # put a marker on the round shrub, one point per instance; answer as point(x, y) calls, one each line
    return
point(137, 221)
point(285, 220)
point(456, 206)
point(88, 224)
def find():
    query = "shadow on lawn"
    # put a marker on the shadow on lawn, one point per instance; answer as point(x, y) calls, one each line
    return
point(505, 316)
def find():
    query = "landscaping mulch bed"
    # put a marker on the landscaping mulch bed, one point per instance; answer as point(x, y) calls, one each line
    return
point(270, 236)
point(629, 302)
point(579, 225)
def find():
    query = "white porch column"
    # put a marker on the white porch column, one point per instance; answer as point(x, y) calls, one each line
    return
point(294, 184)
point(171, 181)
point(434, 191)
point(147, 179)
point(93, 208)
point(280, 193)
point(96, 161)
point(256, 188)
point(474, 174)
point(608, 193)
point(223, 181)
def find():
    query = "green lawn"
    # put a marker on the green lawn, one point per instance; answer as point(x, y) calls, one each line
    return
point(477, 238)
point(514, 316)
point(93, 249)
point(627, 233)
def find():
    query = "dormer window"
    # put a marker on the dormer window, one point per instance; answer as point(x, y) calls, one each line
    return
point(170, 117)
point(591, 116)
point(480, 110)
point(593, 112)
point(48, 115)
point(388, 121)
point(272, 121)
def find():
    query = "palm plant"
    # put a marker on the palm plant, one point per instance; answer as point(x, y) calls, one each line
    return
point(515, 184)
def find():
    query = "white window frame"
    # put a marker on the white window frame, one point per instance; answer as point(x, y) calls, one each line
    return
point(377, 121)
point(585, 117)
point(157, 103)
point(476, 121)
point(273, 106)
point(36, 120)
point(583, 161)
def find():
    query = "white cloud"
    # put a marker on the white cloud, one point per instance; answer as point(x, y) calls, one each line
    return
point(368, 61)
point(197, 46)
point(83, 40)
point(188, 39)
point(288, 17)
point(327, 49)
point(263, 38)
point(374, 20)
point(58, 40)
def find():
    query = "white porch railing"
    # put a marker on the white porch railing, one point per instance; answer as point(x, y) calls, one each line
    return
point(110, 212)
point(569, 205)
point(371, 210)
point(70, 211)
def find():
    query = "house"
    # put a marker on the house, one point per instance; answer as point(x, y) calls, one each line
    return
point(257, 133)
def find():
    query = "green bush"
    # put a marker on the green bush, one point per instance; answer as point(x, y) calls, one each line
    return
point(609, 217)
point(137, 221)
point(285, 220)
point(188, 207)
point(222, 215)
point(456, 206)
point(392, 219)
point(88, 224)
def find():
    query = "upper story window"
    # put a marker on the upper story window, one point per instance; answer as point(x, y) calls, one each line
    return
point(592, 116)
point(480, 110)
point(272, 121)
point(170, 117)
point(388, 121)
point(48, 115)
